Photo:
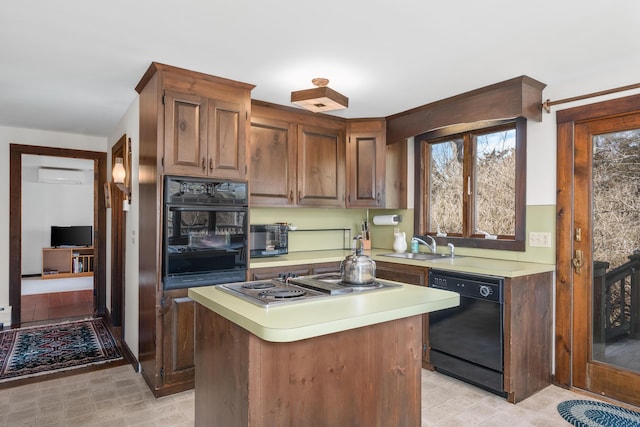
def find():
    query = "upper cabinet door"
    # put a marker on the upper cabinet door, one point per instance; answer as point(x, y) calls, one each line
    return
point(366, 147)
point(321, 167)
point(185, 130)
point(272, 157)
point(226, 137)
point(204, 137)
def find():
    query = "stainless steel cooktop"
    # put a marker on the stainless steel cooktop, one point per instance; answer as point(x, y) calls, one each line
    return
point(275, 292)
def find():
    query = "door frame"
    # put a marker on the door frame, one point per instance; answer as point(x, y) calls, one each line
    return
point(566, 120)
point(121, 149)
point(15, 222)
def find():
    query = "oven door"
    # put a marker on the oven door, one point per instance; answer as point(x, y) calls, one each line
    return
point(204, 245)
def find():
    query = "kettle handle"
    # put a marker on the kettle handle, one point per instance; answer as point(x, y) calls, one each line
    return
point(357, 245)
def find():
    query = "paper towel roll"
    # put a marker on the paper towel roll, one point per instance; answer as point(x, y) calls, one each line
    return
point(386, 219)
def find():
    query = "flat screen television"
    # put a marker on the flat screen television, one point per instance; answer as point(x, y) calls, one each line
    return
point(75, 235)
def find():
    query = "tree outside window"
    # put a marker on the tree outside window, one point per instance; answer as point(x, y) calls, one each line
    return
point(472, 186)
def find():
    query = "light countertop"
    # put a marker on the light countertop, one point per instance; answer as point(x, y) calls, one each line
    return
point(321, 316)
point(467, 264)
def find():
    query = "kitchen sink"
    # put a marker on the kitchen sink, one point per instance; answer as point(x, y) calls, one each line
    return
point(419, 256)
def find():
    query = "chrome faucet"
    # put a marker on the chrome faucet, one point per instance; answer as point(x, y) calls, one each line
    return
point(431, 246)
point(452, 249)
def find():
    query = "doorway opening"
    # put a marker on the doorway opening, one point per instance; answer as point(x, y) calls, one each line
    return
point(97, 299)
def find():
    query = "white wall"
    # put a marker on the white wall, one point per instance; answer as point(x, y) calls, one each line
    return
point(47, 204)
point(541, 137)
point(12, 135)
point(129, 125)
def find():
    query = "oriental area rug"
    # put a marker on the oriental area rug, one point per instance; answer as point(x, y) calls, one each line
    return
point(40, 350)
point(591, 413)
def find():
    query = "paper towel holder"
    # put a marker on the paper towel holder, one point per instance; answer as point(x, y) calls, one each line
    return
point(387, 219)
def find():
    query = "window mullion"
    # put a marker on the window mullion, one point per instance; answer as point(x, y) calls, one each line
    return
point(469, 183)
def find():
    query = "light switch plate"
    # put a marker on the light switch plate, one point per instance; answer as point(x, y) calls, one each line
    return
point(539, 239)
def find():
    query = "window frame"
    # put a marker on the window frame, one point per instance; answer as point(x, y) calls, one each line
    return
point(468, 238)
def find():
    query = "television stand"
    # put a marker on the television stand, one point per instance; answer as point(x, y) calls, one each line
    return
point(63, 262)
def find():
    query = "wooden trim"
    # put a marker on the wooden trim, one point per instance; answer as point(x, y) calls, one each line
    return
point(600, 109)
point(15, 221)
point(517, 97)
point(159, 67)
point(567, 120)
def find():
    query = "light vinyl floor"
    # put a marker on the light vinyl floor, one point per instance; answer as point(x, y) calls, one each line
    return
point(119, 397)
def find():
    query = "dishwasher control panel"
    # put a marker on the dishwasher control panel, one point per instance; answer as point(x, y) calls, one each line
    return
point(468, 285)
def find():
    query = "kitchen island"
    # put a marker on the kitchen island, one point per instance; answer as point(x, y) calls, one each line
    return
point(338, 361)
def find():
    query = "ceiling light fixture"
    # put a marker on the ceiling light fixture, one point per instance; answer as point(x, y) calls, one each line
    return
point(319, 99)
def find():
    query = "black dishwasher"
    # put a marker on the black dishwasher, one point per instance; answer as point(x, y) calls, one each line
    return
point(467, 342)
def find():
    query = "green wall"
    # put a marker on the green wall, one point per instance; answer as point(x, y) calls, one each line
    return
point(540, 218)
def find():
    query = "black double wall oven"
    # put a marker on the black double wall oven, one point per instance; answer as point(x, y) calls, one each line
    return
point(205, 236)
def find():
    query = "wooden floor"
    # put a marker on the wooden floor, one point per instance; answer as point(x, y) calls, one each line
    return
point(57, 305)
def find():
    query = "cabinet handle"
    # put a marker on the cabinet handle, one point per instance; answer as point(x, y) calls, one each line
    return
point(291, 195)
point(378, 197)
point(204, 164)
point(211, 164)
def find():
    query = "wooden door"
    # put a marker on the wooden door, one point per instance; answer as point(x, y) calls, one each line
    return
point(321, 167)
point(226, 140)
point(366, 149)
point(582, 359)
point(272, 154)
point(185, 133)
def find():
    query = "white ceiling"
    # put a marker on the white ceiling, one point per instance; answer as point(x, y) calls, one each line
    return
point(72, 65)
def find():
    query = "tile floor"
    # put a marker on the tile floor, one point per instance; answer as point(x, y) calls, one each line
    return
point(119, 397)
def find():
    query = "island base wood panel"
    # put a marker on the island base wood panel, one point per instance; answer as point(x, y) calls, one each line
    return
point(368, 376)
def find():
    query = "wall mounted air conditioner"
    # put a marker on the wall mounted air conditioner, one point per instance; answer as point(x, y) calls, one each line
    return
point(60, 176)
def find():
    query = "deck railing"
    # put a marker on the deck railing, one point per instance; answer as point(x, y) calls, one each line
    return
point(616, 301)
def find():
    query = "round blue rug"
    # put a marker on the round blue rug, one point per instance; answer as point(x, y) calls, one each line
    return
point(591, 413)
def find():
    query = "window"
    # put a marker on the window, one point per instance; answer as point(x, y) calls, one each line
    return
point(472, 185)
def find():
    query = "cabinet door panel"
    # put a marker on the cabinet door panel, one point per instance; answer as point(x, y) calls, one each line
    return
point(274, 272)
point(321, 164)
point(366, 164)
point(185, 134)
point(226, 140)
point(272, 163)
point(179, 339)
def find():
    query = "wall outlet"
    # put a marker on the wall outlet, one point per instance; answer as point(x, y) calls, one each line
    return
point(5, 315)
point(539, 239)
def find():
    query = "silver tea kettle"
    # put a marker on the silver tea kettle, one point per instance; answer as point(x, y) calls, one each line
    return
point(357, 269)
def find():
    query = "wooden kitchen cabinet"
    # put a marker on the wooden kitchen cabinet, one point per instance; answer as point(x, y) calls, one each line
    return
point(267, 273)
point(366, 149)
point(185, 116)
point(204, 136)
point(272, 157)
point(178, 315)
point(528, 334)
point(297, 158)
point(413, 275)
point(321, 167)
point(396, 178)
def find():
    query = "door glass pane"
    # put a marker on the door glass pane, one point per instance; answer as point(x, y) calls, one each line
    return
point(446, 186)
point(495, 186)
point(616, 245)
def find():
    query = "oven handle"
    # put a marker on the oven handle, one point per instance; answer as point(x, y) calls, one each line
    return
point(216, 208)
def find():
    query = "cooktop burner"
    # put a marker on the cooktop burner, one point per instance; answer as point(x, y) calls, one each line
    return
point(282, 293)
point(267, 293)
point(258, 285)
